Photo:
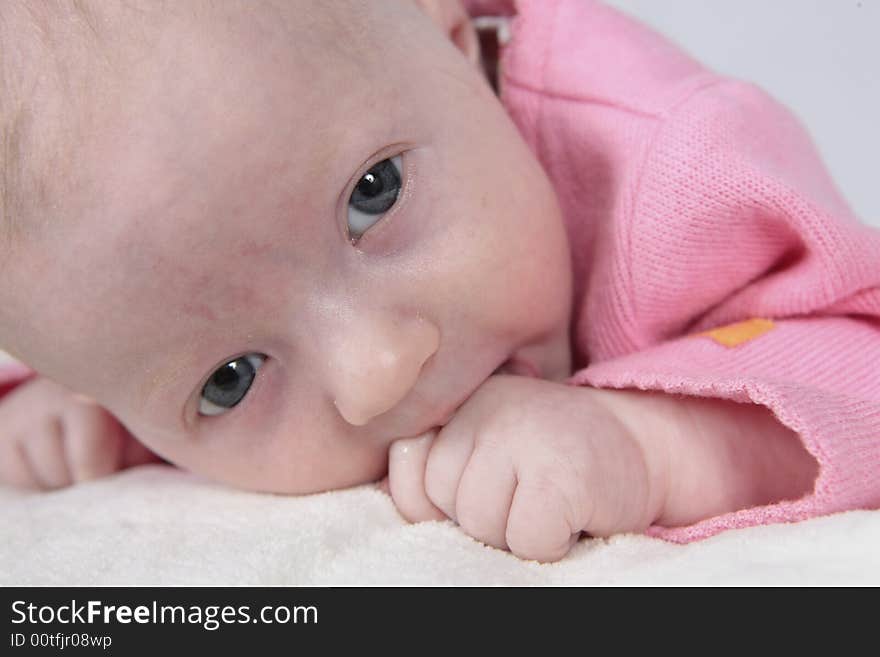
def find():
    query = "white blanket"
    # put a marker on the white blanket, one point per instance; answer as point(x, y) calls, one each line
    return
point(158, 525)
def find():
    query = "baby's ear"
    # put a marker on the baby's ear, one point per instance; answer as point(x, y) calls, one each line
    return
point(452, 18)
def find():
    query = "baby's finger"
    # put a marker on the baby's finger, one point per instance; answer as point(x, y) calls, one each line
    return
point(46, 454)
point(406, 478)
point(537, 527)
point(485, 493)
point(447, 460)
point(15, 466)
point(94, 441)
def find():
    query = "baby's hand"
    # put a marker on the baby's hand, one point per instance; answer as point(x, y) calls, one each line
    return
point(526, 465)
point(50, 437)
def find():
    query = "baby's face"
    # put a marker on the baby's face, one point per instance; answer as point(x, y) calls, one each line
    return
point(297, 239)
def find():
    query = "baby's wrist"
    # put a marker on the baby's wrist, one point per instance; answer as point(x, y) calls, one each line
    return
point(706, 457)
point(652, 421)
point(734, 456)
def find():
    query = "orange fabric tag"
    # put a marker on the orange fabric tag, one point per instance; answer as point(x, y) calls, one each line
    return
point(733, 335)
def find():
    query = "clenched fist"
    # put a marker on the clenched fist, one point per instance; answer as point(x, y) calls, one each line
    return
point(527, 465)
point(50, 437)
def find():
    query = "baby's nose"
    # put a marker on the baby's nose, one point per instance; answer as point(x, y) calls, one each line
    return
point(379, 363)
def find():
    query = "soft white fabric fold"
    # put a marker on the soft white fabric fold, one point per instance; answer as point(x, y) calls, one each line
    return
point(158, 525)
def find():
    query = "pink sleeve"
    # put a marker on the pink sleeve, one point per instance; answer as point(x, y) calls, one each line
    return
point(735, 218)
point(819, 377)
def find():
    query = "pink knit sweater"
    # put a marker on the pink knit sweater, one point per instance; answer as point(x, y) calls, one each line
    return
point(693, 202)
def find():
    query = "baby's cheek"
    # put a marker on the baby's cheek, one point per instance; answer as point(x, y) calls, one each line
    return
point(533, 275)
point(293, 468)
point(537, 295)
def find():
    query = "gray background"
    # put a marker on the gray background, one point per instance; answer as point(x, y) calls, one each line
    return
point(819, 57)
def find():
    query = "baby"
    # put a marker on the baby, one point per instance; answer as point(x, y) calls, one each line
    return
point(296, 246)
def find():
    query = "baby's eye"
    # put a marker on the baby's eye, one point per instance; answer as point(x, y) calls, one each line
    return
point(229, 384)
point(373, 196)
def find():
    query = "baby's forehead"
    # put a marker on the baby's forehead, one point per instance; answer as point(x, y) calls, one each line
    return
point(199, 123)
point(308, 62)
point(97, 56)
point(200, 92)
point(220, 107)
